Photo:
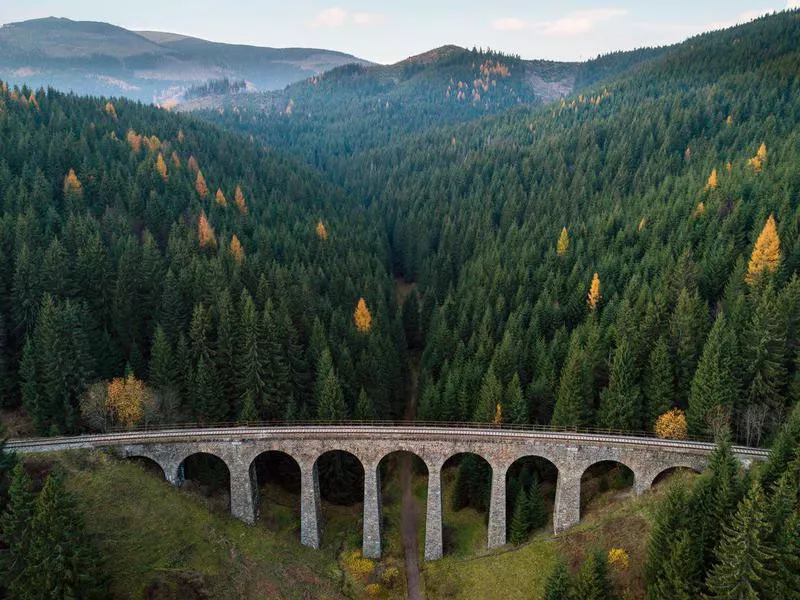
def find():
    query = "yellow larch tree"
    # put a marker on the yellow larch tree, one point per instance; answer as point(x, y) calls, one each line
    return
point(712, 182)
point(193, 166)
point(498, 414)
point(205, 233)
point(152, 143)
point(563, 242)
point(220, 198)
point(236, 250)
point(729, 121)
point(32, 101)
point(72, 184)
point(200, 185)
point(135, 140)
point(757, 162)
point(110, 110)
point(766, 253)
point(362, 317)
point(161, 166)
point(642, 223)
point(126, 400)
point(176, 160)
point(699, 209)
point(239, 201)
point(594, 296)
point(322, 232)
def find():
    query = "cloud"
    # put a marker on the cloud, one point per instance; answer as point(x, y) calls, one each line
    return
point(577, 22)
point(330, 17)
point(510, 24)
point(364, 19)
point(792, 4)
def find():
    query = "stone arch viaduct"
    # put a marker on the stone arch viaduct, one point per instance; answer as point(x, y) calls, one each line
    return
point(238, 448)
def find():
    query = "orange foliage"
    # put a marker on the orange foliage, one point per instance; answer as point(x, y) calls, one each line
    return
point(322, 232)
point(712, 182)
point(238, 199)
point(152, 143)
point(236, 250)
point(594, 296)
point(110, 110)
point(72, 184)
point(176, 160)
point(220, 199)
point(362, 317)
point(193, 166)
point(766, 252)
point(205, 232)
point(672, 425)
point(135, 140)
point(126, 400)
point(200, 185)
point(32, 101)
point(161, 167)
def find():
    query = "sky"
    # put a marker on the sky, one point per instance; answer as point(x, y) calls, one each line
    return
point(388, 31)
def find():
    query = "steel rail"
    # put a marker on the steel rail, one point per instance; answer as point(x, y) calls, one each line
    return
point(357, 431)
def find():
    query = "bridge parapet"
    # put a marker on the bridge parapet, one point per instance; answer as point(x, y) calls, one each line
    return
point(238, 448)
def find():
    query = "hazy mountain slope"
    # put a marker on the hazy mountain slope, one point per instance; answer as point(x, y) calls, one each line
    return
point(98, 58)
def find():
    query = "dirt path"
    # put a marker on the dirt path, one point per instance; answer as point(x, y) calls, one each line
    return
point(409, 516)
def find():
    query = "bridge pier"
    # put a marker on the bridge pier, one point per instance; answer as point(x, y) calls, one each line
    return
point(309, 504)
point(433, 516)
point(244, 493)
point(497, 506)
point(567, 510)
point(372, 511)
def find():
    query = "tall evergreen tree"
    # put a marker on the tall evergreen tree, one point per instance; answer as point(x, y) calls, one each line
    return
point(558, 584)
point(594, 580)
point(621, 401)
point(15, 532)
point(658, 382)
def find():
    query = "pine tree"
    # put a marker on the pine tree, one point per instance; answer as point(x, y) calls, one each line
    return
point(785, 450)
point(162, 362)
point(743, 554)
point(658, 382)
point(562, 246)
point(764, 353)
point(411, 320)
point(250, 376)
point(621, 401)
point(536, 507)
point(766, 255)
point(489, 397)
point(713, 384)
point(15, 531)
point(670, 520)
point(677, 580)
point(687, 330)
point(594, 581)
point(62, 562)
point(571, 401)
point(520, 526)
point(558, 585)
point(518, 406)
point(364, 410)
point(330, 406)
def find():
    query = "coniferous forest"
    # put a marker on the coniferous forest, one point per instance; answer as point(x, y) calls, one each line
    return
point(626, 257)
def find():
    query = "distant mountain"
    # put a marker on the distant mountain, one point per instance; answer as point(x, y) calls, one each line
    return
point(98, 58)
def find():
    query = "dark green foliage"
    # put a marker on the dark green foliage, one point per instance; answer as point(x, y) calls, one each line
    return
point(15, 525)
point(621, 401)
point(473, 483)
point(411, 324)
point(785, 450)
point(521, 518)
point(594, 580)
point(536, 506)
point(558, 585)
point(670, 519)
point(658, 382)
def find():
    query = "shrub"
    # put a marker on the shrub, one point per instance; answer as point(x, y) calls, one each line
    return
point(672, 425)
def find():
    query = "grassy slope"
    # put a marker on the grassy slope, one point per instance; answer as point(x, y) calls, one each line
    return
point(154, 538)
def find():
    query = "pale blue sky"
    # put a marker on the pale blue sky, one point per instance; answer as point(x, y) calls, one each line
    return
point(388, 31)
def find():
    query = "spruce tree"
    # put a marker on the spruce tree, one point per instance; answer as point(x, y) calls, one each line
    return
point(490, 395)
point(671, 517)
point(250, 376)
point(658, 382)
point(687, 331)
point(594, 580)
point(621, 401)
point(678, 576)
point(162, 363)
point(785, 449)
point(559, 584)
point(536, 506)
point(713, 384)
point(744, 555)
point(571, 402)
point(521, 518)
point(517, 405)
point(15, 525)
point(764, 353)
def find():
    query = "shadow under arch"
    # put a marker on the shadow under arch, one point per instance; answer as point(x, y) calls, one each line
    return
point(531, 483)
point(277, 475)
point(207, 475)
point(466, 491)
point(341, 485)
point(603, 482)
point(404, 482)
point(671, 472)
point(148, 465)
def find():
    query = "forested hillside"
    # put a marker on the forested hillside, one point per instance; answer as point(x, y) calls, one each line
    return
point(671, 192)
point(138, 246)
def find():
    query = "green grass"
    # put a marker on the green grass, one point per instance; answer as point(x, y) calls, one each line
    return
point(156, 541)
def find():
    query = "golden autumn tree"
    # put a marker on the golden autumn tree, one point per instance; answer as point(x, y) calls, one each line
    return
point(200, 185)
point(152, 143)
point(757, 162)
point(72, 185)
point(32, 101)
point(699, 210)
point(322, 232)
point(498, 414)
point(362, 317)
point(135, 140)
point(594, 296)
point(205, 233)
point(127, 399)
point(563, 242)
point(766, 253)
point(672, 425)
point(239, 201)
point(110, 110)
point(176, 160)
point(236, 250)
point(712, 182)
point(642, 224)
point(220, 198)
point(161, 167)
point(192, 164)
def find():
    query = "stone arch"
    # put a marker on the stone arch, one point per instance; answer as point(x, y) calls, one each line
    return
point(465, 526)
point(282, 471)
point(147, 463)
point(520, 474)
point(408, 464)
point(341, 475)
point(657, 476)
point(210, 471)
point(602, 476)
